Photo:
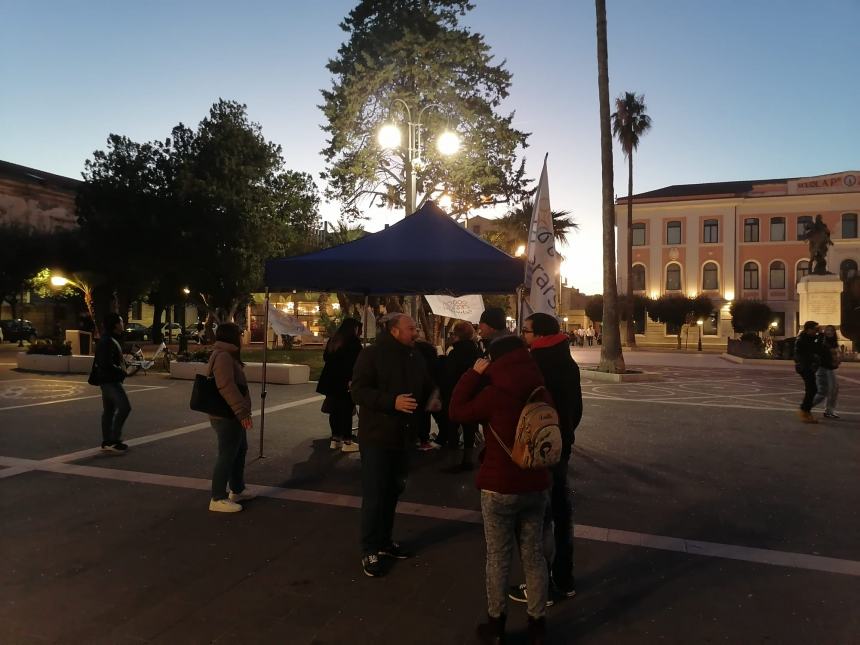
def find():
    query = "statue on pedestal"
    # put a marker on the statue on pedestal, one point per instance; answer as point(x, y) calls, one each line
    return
point(818, 236)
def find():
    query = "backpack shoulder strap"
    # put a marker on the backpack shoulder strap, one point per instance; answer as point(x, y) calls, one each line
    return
point(501, 443)
point(538, 390)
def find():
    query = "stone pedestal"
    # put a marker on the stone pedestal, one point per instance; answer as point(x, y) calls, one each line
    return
point(820, 299)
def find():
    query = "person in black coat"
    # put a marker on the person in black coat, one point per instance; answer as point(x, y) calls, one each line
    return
point(464, 352)
point(109, 373)
point(808, 357)
point(551, 351)
point(390, 382)
point(340, 354)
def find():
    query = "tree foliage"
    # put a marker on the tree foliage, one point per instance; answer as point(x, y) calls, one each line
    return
point(26, 252)
point(594, 308)
point(750, 315)
point(516, 222)
point(676, 311)
point(202, 209)
point(417, 52)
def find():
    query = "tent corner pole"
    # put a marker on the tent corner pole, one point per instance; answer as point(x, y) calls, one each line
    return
point(265, 361)
point(364, 319)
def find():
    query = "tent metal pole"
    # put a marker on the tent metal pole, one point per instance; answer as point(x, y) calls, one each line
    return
point(520, 293)
point(364, 320)
point(265, 361)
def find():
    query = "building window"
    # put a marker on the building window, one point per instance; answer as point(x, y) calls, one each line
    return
point(751, 229)
point(638, 278)
point(711, 232)
point(802, 269)
point(779, 319)
point(751, 275)
point(673, 233)
point(847, 270)
point(711, 326)
point(710, 277)
point(638, 235)
point(777, 229)
point(804, 222)
point(673, 277)
point(776, 278)
point(849, 225)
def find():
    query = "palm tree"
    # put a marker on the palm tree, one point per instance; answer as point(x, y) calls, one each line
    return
point(629, 121)
point(611, 356)
point(517, 221)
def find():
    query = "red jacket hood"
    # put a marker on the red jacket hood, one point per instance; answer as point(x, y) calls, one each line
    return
point(516, 373)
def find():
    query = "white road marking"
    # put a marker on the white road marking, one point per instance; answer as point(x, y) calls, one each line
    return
point(611, 536)
point(138, 388)
point(167, 434)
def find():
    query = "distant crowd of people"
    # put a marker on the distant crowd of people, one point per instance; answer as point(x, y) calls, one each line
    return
point(585, 337)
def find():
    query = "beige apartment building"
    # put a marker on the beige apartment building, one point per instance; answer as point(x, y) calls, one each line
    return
point(738, 239)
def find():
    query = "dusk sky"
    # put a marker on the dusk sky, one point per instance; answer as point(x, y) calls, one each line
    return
point(740, 89)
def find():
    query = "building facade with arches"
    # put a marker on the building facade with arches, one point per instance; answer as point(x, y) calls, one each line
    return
point(739, 239)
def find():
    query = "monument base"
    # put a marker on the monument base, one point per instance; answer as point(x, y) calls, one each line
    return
point(821, 299)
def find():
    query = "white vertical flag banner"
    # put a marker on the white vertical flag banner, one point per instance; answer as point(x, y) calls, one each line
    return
point(543, 261)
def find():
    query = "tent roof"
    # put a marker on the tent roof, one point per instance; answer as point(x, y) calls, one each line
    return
point(427, 253)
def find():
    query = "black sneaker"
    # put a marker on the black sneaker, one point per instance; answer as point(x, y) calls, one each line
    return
point(562, 592)
point(372, 566)
point(396, 551)
point(117, 447)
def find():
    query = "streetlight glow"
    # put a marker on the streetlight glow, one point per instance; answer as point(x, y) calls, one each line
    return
point(445, 202)
point(448, 143)
point(389, 136)
point(59, 281)
point(186, 291)
point(521, 249)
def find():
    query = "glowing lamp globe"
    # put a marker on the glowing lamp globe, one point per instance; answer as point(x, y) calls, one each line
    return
point(448, 143)
point(389, 136)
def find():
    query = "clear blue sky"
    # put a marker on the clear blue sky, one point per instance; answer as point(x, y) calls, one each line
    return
point(737, 89)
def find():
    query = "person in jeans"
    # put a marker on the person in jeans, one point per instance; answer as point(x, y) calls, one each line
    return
point(390, 382)
point(826, 383)
point(808, 357)
point(109, 371)
point(225, 364)
point(513, 500)
point(551, 351)
point(340, 354)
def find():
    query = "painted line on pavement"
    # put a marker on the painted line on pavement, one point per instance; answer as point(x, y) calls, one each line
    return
point(140, 388)
point(611, 536)
point(167, 434)
point(708, 405)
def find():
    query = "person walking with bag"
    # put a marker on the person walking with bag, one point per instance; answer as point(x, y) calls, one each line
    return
point(108, 373)
point(826, 383)
point(226, 366)
point(340, 354)
point(513, 499)
point(808, 357)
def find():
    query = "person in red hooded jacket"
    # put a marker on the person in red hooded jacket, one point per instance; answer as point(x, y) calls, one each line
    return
point(513, 500)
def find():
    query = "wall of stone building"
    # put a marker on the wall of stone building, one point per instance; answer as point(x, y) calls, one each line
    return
point(44, 208)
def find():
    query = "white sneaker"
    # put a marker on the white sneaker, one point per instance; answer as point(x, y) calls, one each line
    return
point(349, 446)
point(335, 444)
point(224, 506)
point(244, 496)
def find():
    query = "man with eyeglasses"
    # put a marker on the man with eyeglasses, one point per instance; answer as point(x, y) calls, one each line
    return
point(550, 349)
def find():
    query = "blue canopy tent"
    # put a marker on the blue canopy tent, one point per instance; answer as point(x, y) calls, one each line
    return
point(426, 253)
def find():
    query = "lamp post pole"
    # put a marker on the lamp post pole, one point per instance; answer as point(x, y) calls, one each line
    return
point(700, 324)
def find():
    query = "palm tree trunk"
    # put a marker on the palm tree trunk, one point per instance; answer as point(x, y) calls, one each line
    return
point(631, 327)
point(611, 356)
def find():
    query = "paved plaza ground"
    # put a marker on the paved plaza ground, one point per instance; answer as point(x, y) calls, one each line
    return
point(707, 513)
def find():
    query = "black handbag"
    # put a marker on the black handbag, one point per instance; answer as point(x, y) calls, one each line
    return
point(205, 397)
point(94, 378)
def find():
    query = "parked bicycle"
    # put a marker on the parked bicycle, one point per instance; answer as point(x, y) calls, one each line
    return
point(136, 361)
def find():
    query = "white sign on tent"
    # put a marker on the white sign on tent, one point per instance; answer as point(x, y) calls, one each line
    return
point(463, 307)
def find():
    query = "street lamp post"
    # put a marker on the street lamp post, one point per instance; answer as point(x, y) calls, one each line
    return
point(183, 333)
point(700, 323)
point(565, 324)
point(390, 137)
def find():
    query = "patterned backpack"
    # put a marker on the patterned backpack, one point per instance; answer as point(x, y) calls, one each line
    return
point(537, 442)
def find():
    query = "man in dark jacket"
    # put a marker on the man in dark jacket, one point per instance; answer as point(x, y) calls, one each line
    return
point(550, 349)
point(492, 327)
point(109, 373)
point(389, 383)
point(808, 356)
point(464, 353)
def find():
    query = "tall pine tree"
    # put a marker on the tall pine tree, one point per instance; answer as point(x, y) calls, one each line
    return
point(417, 51)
